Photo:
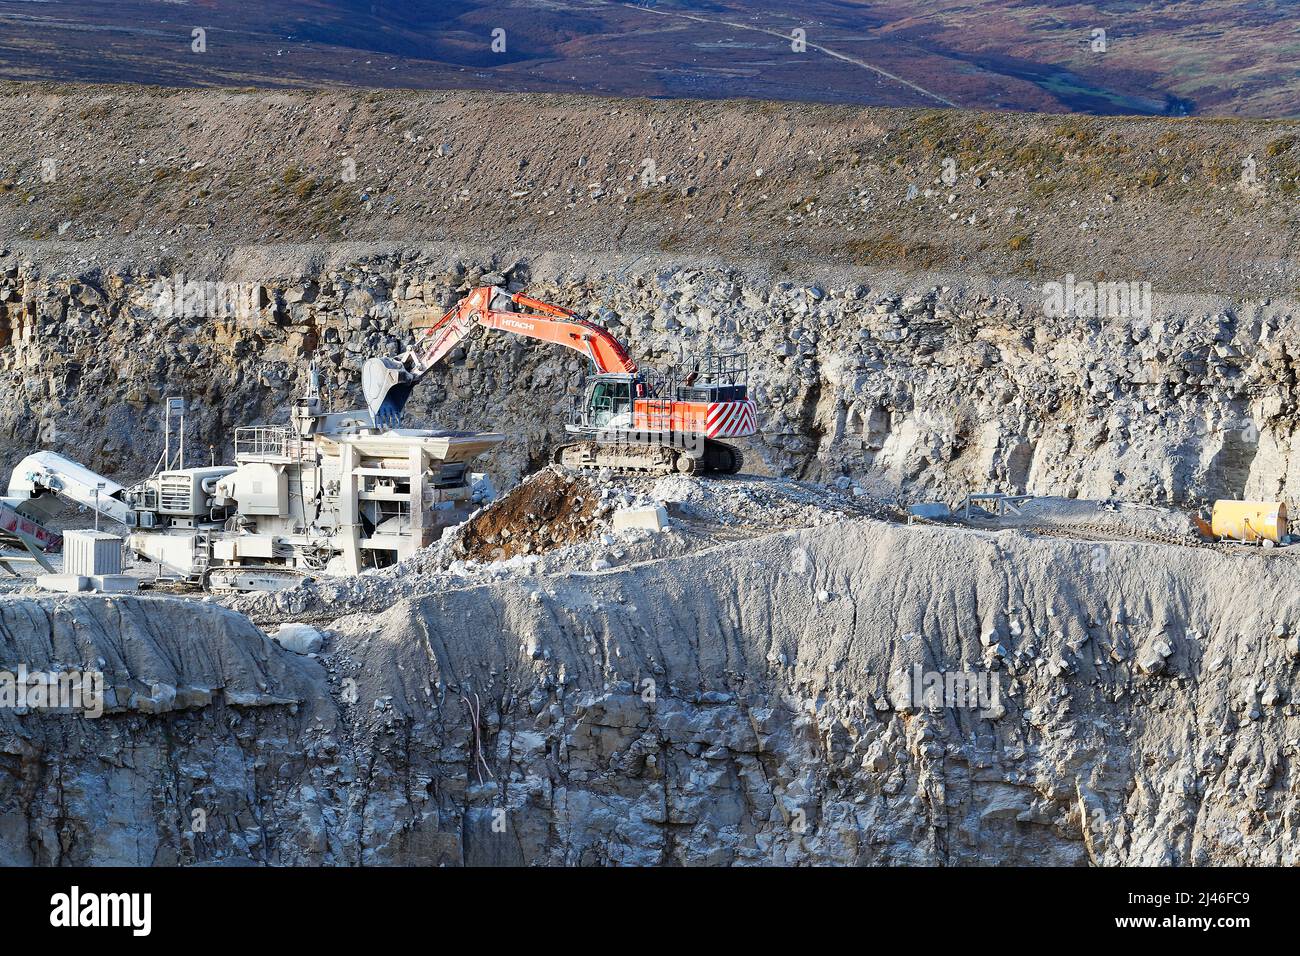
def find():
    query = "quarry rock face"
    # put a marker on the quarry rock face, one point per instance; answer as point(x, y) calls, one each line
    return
point(200, 711)
point(767, 705)
point(930, 392)
point(759, 706)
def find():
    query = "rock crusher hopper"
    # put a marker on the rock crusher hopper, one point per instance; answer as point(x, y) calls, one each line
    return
point(624, 419)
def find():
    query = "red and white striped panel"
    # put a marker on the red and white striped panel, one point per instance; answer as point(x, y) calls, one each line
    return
point(730, 419)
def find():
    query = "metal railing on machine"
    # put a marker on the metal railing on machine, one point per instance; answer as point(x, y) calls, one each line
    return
point(268, 441)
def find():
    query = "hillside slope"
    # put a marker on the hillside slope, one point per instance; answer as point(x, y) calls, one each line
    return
point(156, 174)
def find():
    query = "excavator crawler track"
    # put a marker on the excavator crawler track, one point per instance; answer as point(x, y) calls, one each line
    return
point(637, 458)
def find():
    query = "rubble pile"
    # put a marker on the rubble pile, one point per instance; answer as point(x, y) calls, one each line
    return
point(548, 510)
point(698, 514)
point(758, 503)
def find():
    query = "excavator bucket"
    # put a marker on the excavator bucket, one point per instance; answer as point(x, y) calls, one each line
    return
point(387, 385)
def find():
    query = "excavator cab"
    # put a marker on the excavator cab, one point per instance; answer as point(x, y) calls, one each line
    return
point(609, 401)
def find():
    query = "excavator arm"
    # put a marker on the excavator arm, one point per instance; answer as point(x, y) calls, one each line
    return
point(387, 382)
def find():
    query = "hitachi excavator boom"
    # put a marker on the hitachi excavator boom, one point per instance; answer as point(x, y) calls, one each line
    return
point(627, 420)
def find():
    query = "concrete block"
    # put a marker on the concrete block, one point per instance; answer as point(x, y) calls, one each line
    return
point(114, 583)
point(645, 519)
point(91, 552)
point(66, 583)
point(930, 509)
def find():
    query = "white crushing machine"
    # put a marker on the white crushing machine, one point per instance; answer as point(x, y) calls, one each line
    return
point(328, 493)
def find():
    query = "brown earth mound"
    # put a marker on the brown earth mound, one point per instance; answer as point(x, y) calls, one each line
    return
point(549, 510)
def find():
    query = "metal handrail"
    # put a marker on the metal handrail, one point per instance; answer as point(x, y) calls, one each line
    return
point(267, 441)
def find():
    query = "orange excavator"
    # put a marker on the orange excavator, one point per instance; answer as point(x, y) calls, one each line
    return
point(625, 419)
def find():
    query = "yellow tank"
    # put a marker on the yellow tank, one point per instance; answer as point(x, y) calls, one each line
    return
point(1249, 520)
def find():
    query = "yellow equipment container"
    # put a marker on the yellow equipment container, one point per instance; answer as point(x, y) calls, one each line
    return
point(1249, 521)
